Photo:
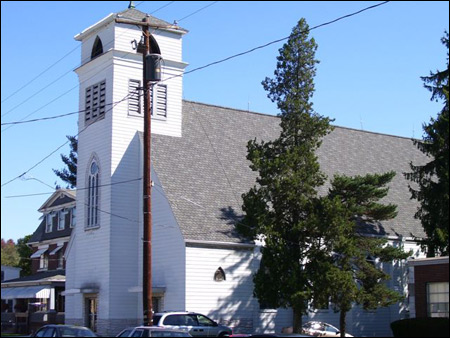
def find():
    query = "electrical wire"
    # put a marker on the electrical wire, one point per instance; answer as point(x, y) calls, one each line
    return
point(199, 10)
point(54, 151)
point(50, 67)
point(235, 55)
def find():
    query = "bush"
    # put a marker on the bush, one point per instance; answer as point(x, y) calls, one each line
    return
point(421, 327)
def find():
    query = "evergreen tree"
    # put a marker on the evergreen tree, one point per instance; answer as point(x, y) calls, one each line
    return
point(69, 174)
point(433, 178)
point(346, 271)
point(24, 252)
point(281, 205)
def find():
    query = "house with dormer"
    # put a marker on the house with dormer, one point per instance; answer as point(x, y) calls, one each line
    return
point(38, 299)
point(199, 172)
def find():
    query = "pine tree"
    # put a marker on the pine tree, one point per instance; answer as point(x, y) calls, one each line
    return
point(433, 178)
point(347, 269)
point(69, 174)
point(281, 205)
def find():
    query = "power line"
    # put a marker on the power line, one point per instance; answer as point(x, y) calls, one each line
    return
point(217, 62)
point(48, 68)
point(79, 189)
point(199, 10)
point(250, 50)
point(62, 115)
point(54, 151)
point(156, 10)
point(276, 41)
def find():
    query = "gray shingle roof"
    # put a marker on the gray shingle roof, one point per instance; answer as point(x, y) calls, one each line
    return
point(136, 15)
point(205, 172)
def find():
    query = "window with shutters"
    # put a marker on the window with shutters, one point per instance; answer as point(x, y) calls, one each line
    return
point(134, 98)
point(159, 101)
point(95, 102)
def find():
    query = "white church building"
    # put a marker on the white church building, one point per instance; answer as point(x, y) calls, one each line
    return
point(200, 171)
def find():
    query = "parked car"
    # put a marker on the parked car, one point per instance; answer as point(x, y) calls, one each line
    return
point(321, 329)
point(56, 330)
point(272, 335)
point(152, 331)
point(196, 324)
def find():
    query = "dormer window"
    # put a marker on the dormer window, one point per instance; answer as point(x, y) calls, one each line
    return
point(48, 223)
point(97, 49)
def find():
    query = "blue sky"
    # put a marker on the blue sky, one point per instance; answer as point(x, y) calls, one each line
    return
point(368, 77)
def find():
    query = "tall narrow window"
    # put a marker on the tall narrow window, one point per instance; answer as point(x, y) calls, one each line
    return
point(49, 222)
point(92, 202)
point(437, 298)
point(62, 219)
point(95, 102)
point(97, 49)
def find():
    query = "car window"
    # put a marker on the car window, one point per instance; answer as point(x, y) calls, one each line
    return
point(169, 334)
point(125, 333)
point(156, 320)
point(137, 333)
point(181, 320)
point(204, 321)
point(46, 332)
point(331, 329)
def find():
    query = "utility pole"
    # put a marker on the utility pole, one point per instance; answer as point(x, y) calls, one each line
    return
point(149, 72)
point(147, 282)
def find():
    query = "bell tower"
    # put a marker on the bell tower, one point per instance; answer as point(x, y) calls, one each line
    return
point(104, 265)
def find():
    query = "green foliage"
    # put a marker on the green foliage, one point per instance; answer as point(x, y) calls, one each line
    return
point(421, 327)
point(281, 206)
point(24, 252)
point(10, 257)
point(348, 273)
point(432, 178)
point(69, 174)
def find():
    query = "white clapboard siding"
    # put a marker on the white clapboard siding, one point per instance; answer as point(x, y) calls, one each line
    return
point(224, 301)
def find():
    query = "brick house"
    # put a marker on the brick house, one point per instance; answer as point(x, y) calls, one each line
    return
point(428, 287)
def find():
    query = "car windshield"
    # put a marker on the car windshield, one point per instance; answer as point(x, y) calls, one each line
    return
point(76, 332)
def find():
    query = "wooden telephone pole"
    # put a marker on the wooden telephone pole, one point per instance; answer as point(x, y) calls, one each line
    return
point(147, 198)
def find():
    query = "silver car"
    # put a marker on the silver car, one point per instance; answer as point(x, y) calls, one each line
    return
point(196, 324)
point(151, 331)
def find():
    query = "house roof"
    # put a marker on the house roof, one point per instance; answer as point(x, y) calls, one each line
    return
point(59, 199)
point(45, 276)
point(205, 172)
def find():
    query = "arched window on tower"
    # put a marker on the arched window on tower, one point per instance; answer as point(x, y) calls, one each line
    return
point(154, 48)
point(97, 49)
